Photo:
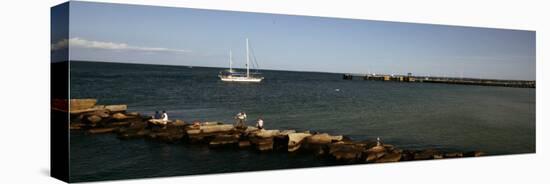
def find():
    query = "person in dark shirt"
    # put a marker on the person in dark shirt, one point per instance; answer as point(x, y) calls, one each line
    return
point(157, 115)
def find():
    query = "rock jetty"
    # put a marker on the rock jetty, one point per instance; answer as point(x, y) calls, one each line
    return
point(88, 117)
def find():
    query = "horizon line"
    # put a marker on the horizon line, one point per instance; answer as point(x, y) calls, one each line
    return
point(308, 71)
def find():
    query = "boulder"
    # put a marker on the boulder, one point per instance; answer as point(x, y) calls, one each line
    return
point(474, 154)
point(295, 140)
point(127, 133)
point(103, 113)
point(375, 153)
point(76, 126)
point(407, 155)
point(88, 110)
point(336, 138)
point(80, 104)
point(425, 154)
point(101, 130)
point(168, 134)
point(157, 121)
point(244, 143)
point(346, 151)
point(265, 144)
point(119, 116)
point(116, 108)
point(251, 130)
point(284, 133)
point(224, 140)
point(93, 119)
point(266, 133)
point(389, 157)
point(319, 139)
point(263, 139)
point(318, 143)
point(119, 124)
point(204, 133)
point(179, 123)
point(211, 123)
point(137, 125)
point(133, 114)
point(216, 128)
point(280, 142)
point(453, 155)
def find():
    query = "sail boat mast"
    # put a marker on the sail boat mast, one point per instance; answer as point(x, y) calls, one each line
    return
point(239, 76)
point(230, 61)
point(247, 60)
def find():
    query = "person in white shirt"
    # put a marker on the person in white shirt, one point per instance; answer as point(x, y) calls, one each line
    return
point(164, 117)
point(260, 123)
point(241, 118)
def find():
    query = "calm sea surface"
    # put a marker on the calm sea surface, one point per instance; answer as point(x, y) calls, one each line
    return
point(496, 120)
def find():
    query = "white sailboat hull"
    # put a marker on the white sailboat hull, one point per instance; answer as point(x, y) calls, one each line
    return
point(240, 79)
point(237, 76)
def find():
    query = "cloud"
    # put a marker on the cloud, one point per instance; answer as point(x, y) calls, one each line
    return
point(83, 43)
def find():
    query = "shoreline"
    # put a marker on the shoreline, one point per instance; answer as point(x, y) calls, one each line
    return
point(89, 118)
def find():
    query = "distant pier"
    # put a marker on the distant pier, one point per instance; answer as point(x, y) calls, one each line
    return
point(444, 80)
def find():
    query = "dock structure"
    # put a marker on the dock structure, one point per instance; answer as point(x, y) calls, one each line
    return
point(443, 80)
point(88, 118)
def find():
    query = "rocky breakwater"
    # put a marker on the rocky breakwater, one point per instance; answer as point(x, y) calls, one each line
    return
point(91, 118)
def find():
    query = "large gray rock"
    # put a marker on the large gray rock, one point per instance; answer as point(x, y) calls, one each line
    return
point(77, 126)
point(103, 113)
point(210, 129)
point(101, 130)
point(265, 144)
point(266, 133)
point(263, 139)
point(389, 157)
point(453, 155)
point(119, 124)
point(346, 151)
point(168, 134)
point(125, 133)
point(88, 110)
point(116, 108)
point(375, 153)
point(204, 133)
point(244, 143)
point(474, 154)
point(94, 119)
point(81, 104)
point(426, 154)
point(286, 132)
point(295, 140)
point(319, 139)
point(119, 116)
point(178, 123)
point(225, 140)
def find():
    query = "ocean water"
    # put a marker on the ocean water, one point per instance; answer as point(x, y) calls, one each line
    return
point(495, 120)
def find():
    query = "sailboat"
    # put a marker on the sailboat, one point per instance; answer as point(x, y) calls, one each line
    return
point(233, 76)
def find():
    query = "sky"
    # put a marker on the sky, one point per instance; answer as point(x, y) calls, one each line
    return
point(181, 36)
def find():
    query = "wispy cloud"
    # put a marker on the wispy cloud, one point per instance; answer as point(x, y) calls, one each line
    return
point(83, 43)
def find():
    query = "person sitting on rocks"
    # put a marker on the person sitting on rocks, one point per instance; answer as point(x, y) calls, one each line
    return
point(157, 115)
point(260, 123)
point(157, 119)
point(241, 118)
point(164, 117)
